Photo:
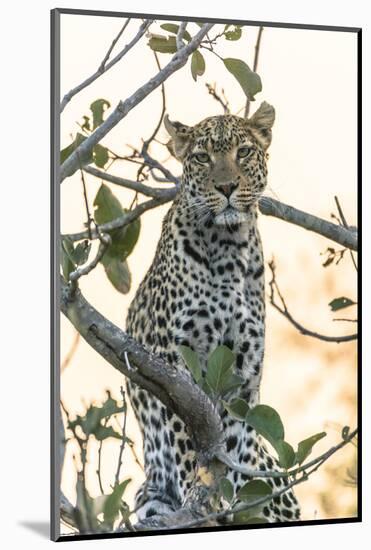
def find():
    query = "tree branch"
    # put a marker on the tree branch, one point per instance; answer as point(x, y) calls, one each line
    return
point(255, 66)
point(122, 221)
point(103, 67)
point(175, 388)
point(105, 241)
point(178, 60)
point(314, 465)
point(110, 49)
point(338, 234)
point(180, 35)
point(156, 192)
point(285, 312)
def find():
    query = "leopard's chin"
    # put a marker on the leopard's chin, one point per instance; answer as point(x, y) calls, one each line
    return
point(230, 217)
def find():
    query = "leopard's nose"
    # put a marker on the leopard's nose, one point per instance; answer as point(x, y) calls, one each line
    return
point(227, 189)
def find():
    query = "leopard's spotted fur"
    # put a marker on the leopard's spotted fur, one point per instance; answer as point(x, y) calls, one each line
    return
point(206, 288)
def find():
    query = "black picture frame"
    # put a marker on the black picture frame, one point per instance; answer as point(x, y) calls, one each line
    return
point(55, 260)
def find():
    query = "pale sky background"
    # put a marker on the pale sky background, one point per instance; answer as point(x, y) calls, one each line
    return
point(310, 78)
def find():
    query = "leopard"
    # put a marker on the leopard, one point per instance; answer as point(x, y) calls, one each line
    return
point(205, 288)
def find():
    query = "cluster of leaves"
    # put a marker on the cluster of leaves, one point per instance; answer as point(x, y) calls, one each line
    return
point(249, 81)
point(267, 422)
point(99, 154)
point(98, 514)
point(219, 379)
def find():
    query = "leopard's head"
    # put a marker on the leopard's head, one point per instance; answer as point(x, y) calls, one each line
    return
point(224, 163)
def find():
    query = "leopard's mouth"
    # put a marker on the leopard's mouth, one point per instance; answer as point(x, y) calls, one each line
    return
point(231, 216)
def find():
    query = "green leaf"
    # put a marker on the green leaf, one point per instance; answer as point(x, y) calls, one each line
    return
point(305, 446)
point(86, 124)
point(67, 262)
point(237, 407)
point(191, 360)
point(286, 454)
point(118, 273)
point(98, 108)
point(234, 34)
point(231, 382)
point(249, 81)
point(253, 490)
point(219, 367)
point(267, 422)
point(163, 44)
point(104, 432)
point(108, 208)
point(226, 489)
point(171, 27)
point(113, 502)
point(91, 422)
point(100, 155)
point(341, 303)
point(197, 65)
point(81, 253)
point(67, 151)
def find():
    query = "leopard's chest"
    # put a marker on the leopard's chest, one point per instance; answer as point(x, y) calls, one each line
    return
point(217, 306)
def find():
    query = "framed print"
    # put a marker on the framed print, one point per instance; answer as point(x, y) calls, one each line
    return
point(205, 287)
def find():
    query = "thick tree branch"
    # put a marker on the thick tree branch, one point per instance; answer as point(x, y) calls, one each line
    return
point(104, 66)
point(178, 60)
point(267, 206)
point(338, 234)
point(173, 387)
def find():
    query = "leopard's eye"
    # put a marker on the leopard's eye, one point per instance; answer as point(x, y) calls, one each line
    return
point(203, 158)
point(243, 152)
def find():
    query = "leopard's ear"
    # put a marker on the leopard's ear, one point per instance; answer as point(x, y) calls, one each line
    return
point(261, 122)
point(180, 137)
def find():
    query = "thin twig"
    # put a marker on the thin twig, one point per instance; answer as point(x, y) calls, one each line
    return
point(255, 66)
point(114, 42)
point(130, 184)
point(105, 241)
point(344, 222)
point(180, 35)
point(263, 500)
point(223, 102)
point(98, 472)
point(284, 311)
point(122, 446)
point(120, 222)
point(88, 215)
point(178, 60)
point(67, 98)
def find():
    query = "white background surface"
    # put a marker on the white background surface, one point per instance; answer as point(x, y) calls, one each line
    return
point(24, 486)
